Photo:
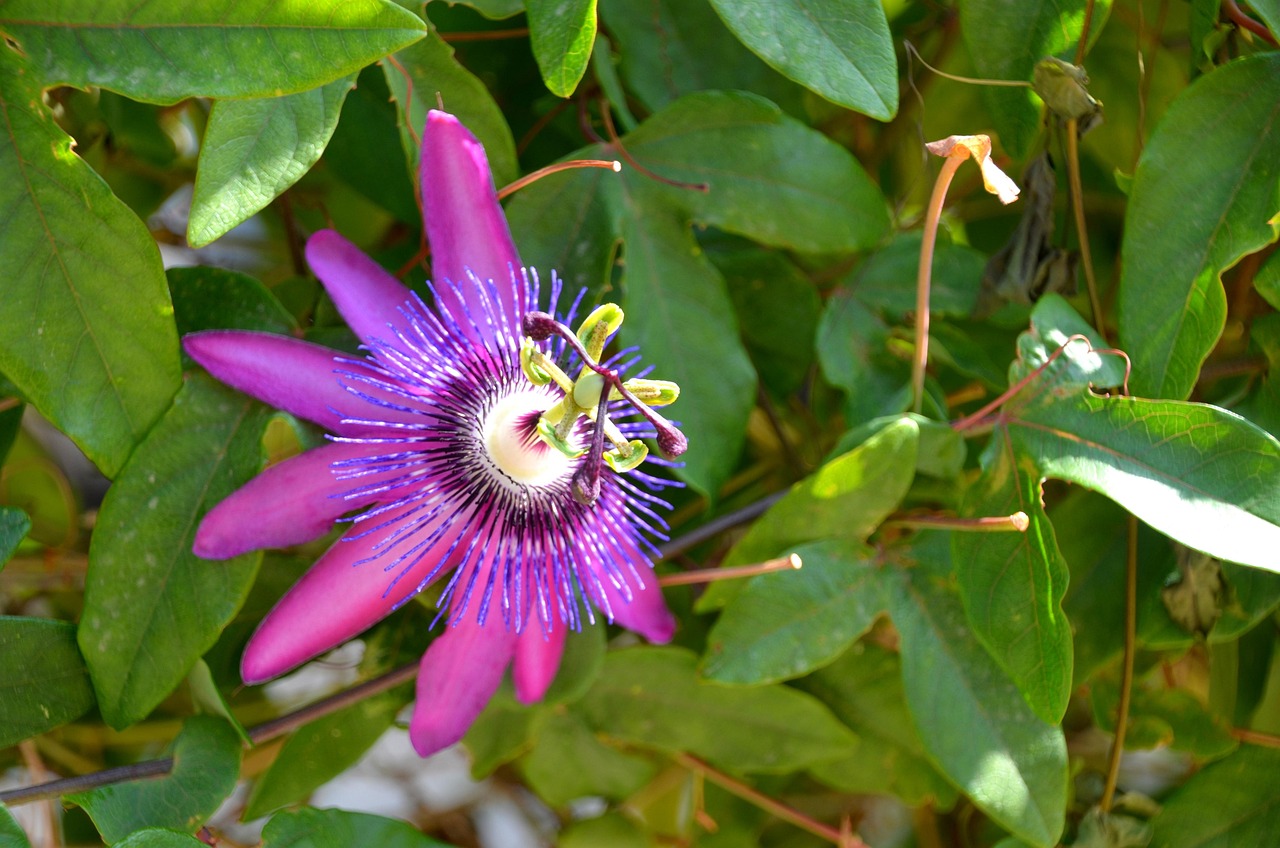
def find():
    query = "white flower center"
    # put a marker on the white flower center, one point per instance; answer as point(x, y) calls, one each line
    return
point(513, 446)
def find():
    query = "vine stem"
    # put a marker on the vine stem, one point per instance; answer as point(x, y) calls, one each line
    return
point(791, 562)
point(777, 808)
point(1077, 207)
point(1126, 678)
point(1082, 44)
point(923, 276)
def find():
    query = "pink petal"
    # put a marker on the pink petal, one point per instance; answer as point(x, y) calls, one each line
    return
point(538, 659)
point(299, 377)
point(646, 612)
point(465, 225)
point(368, 297)
point(290, 503)
point(459, 674)
point(341, 596)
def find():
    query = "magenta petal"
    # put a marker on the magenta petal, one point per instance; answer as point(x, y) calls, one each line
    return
point(286, 373)
point(537, 660)
point(288, 504)
point(459, 674)
point(646, 612)
point(341, 596)
point(466, 229)
point(368, 297)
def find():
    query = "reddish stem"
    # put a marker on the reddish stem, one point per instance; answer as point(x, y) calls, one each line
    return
point(932, 216)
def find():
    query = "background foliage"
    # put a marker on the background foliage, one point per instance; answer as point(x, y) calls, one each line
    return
point(916, 683)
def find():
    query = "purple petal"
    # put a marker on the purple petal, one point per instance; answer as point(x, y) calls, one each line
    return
point(364, 292)
point(288, 504)
point(299, 377)
point(340, 597)
point(537, 660)
point(459, 674)
point(465, 225)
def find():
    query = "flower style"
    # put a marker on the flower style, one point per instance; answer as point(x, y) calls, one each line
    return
point(469, 450)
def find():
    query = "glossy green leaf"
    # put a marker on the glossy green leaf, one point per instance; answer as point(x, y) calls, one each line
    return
point(157, 837)
point(864, 690)
point(1006, 38)
point(321, 750)
point(207, 700)
point(768, 177)
point(14, 525)
point(670, 48)
point(679, 314)
point(840, 49)
point(562, 33)
point(428, 70)
point(1233, 802)
point(11, 834)
point(1269, 11)
point(162, 53)
point(206, 764)
point(845, 499)
point(1175, 465)
point(974, 722)
point(940, 452)
point(43, 679)
point(652, 697)
point(98, 360)
point(568, 761)
point(255, 149)
point(562, 224)
point(151, 607)
point(308, 828)
point(1012, 584)
point(217, 299)
point(787, 623)
point(1190, 218)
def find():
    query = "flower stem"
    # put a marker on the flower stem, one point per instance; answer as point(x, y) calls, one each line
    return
point(1018, 522)
point(571, 165)
point(709, 575)
point(931, 219)
point(1077, 207)
point(769, 805)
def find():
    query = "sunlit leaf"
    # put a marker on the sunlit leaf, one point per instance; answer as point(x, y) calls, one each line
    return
point(562, 33)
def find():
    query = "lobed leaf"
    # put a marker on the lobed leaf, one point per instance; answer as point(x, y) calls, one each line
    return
point(99, 360)
point(165, 52)
point(152, 608)
point(206, 763)
point(43, 679)
point(1190, 218)
point(840, 49)
point(255, 149)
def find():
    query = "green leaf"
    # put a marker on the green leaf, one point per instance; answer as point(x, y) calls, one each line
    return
point(1191, 217)
point(11, 833)
point(207, 700)
point(1166, 718)
point(562, 224)
point(670, 48)
point(940, 453)
point(157, 837)
point(651, 697)
point(339, 829)
point(787, 623)
point(568, 761)
point(1269, 11)
point(1175, 465)
point(886, 280)
point(768, 177)
point(151, 606)
point(255, 149)
point(322, 750)
point(976, 726)
point(10, 425)
point(845, 499)
point(217, 299)
point(1235, 801)
point(1006, 38)
point(612, 830)
point(680, 317)
point(43, 679)
point(163, 53)
point(14, 525)
point(99, 360)
point(562, 33)
point(853, 350)
point(502, 732)
point(428, 70)
point(1012, 584)
point(206, 763)
point(864, 690)
point(840, 49)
